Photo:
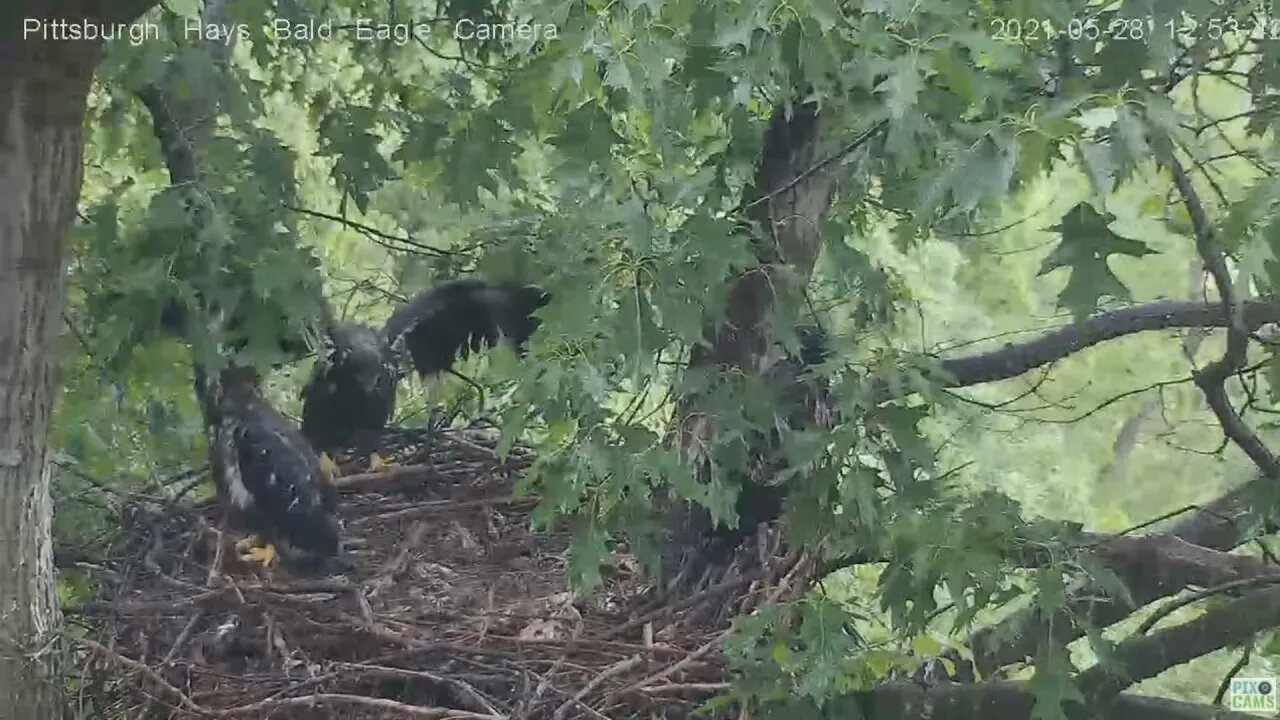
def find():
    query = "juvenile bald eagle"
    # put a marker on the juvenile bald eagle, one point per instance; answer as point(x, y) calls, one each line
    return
point(351, 393)
point(267, 475)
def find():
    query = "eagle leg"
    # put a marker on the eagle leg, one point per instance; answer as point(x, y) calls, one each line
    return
point(250, 550)
point(329, 467)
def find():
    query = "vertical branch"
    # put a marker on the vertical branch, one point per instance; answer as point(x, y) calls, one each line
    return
point(793, 189)
point(183, 128)
point(1213, 377)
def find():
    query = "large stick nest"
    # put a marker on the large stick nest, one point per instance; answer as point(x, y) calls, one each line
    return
point(462, 612)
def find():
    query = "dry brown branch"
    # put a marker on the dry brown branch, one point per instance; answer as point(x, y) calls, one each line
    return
point(609, 672)
point(444, 635)
point(115, 657)
point(679, 666)
point(395, 707)
point(435, 629)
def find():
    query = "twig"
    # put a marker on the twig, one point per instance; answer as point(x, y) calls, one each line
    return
point(713, 591)
point(372, 232)
point(686, 662)
point(306, 700)
point(611, 671)
point(182, 637)
point(115, 657)
point(444, 506)
point(394, 706)
point(705, 688)
point(818, 167)
point(466, 692)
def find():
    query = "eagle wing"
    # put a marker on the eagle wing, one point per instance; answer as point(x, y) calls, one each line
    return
point(351, 393)
point(451, 320)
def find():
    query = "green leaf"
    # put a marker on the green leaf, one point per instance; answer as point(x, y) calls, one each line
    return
point(588, 135)
point(1087, 244)
point(514, 422)
point(902, 87)
point(1122, 63)
point(1052, 685)
point(826, 13)
point(477, 158)
point(1133, 134)
point(587, 554)
point(186, 9)
point(926, 646)
point(637, 332)
point(1052, 596)
point(618, 76)
point(985, 171)
point(353, 138)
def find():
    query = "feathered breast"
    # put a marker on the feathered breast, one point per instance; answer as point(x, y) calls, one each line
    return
point(352, 389)
point(282, 490)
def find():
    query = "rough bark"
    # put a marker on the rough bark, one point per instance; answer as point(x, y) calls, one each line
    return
point(43, 91)
point(1145, 656)
point(793, 189)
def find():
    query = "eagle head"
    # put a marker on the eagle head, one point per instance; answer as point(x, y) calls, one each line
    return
point(364, 352)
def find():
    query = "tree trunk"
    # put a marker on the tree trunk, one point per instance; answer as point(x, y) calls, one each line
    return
point(43, 91)
point(792, 192)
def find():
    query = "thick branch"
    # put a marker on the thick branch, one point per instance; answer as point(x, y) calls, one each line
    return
point(1212, 380)
point(1161, 563)
point(1140, 658)
point(1167, 564)
point(1217, 526)
point(1228, 521)
point(1013, 359)
point(1152, 567)
point(175, 147)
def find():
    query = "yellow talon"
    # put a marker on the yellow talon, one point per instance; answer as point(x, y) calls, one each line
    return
point(329, 467)
point(377, 463)
point(265, 554)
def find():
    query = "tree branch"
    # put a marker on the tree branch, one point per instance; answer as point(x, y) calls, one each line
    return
point(1144, 657)
point(1217, 526)
point(1152, 567)
point(1213, 378)
point(1013, 359)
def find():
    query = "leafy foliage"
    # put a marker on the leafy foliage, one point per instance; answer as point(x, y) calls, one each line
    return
point(1087, 242)
point(610, 163)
